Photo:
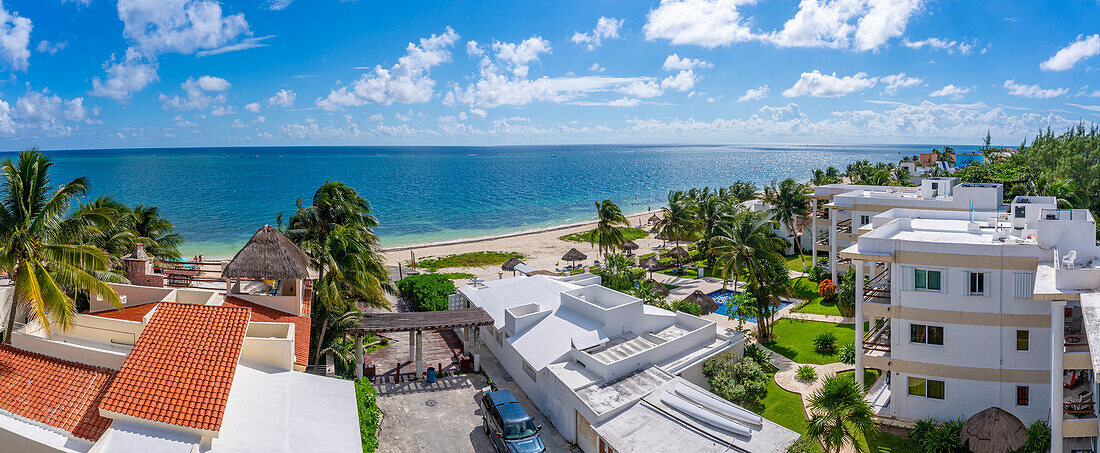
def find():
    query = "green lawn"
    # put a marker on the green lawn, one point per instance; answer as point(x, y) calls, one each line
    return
point(471, 259)
point(629, 233)
point(782, 407)
point(369, 416)
point(795, 264)
point(794, 339)
point(803, 288)
point(458, 275)
point(870, 375)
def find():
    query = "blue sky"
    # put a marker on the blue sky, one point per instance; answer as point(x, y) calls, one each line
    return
point(139, 73)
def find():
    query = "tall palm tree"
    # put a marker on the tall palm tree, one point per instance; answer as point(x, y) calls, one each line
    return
point(606, 235)
point(155, 232)
point(337, 232)
point(35, 248)
point(840, 414)
point(678, 221)
point(740, 191)
point(712, 212)
point(789, 201)
point(744, 247)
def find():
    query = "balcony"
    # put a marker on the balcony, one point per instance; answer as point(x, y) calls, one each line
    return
point(844, 226)
point(876, 343)
point(877, 290)
point(1078, 401)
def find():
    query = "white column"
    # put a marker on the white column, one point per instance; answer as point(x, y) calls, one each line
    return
point(419, 354)
point(859, 322)
point(412, 345)
point(813, 230)
point(477, 349)
point(832, 244)
point(1057, 348)
point(358, 356)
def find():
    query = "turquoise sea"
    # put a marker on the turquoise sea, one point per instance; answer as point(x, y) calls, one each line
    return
point(218, 197)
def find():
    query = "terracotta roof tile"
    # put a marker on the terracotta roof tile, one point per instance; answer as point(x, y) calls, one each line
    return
point(181, 368)
point(261, 313)
point(135, 313)
point(53, 391)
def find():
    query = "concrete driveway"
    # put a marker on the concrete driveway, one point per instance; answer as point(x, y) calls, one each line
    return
point(417, 417)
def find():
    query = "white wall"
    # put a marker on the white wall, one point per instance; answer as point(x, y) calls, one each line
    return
point(964, 398)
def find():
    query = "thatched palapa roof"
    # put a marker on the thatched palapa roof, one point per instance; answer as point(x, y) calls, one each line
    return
point(678, 253)
point(510, 265)
point(630, 245)
point(651, 264)
point(574, 255)
point(658, 288)
point(993, 430)
point(704, 302)
point(268, 255)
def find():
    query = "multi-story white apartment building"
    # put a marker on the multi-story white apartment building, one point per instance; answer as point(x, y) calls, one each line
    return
point(848, 209)
point(970, 310)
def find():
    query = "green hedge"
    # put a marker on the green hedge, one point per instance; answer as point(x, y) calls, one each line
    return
point(369, 415)
point(426, 292)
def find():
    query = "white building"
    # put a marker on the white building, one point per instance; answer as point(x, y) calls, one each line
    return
point(961, 322)
point(600, 363)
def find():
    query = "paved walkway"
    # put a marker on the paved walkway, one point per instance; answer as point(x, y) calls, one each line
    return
point(821, 318)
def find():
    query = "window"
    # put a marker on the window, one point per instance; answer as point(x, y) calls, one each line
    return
point(926, 388)
point(1022, 395)
point(1022, 341)
point(977, 283)
point(863, 220)
point(927, 280)
point(924, 334)
point(1021, 212)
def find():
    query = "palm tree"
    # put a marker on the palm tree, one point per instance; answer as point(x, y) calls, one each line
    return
point(155, 232)
point(739, 192)
point(606, 235)
point(840, 414)
point(788, 200)
point(35, 248)
point(712, 212)
point(337, 232)
point(678, 221)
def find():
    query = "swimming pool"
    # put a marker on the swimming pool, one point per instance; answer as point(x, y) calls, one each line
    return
point(722, 298)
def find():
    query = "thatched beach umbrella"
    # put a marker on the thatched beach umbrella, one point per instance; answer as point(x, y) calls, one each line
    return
point(510, 265)
point(574, 255)
point(993, 430)
point(658, 288)
point(630, 246)
point(654, 219)
point(268, 256)
point(705, 303)
point(651, 265)
point(680, 254)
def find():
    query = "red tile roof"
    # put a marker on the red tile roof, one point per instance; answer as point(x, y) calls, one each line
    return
point(181, 369)
point(261, 313)
point(53, 391)
point(135, 313)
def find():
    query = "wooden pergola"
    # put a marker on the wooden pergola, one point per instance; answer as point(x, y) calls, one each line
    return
point(469, 319)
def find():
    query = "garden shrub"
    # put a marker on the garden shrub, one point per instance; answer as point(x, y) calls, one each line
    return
point(806, 373)
point(935, 437)
point(816, 274)
point(686, 306)
point(758, 354)
point(369, 415)
point(846, 293)
point(742, 382)
point(426, 292)
point(1038, 438)
point(804, 444)
point(847, 353)
point(826, 289)
point(825, 343)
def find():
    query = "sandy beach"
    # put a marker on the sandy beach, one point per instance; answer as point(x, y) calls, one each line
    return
point(541, 248)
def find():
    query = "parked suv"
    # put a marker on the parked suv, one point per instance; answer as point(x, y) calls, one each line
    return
point(509, 427)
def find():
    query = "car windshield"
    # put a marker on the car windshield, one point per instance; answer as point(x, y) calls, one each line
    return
point(519, 430)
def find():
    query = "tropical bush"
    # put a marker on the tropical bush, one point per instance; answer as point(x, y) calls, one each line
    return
point(471, 259)
point(816, 273)
point(825, 343)
point(826, 289)
point(617, 273)
point(742, 382)
point(803, 445)
point(686, 306)
point(629, 233)
point(369, 415)
point(846, 293)
point(806, 373)
point(426, 292)
point(1038, 438)
point(936, 437)
point(847, 353)
point(758, 354)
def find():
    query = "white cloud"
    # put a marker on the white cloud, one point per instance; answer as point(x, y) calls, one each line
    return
point(49, 48)
point(223, 110)
point(1033, 91)
point(183, 122)
point(675, 63)
point(474, 49)
point(237, 123)
point(624, 102)
point(817, 84)
point(277, 5)
point(402, 117)
point(377, 117)
point(884, 20)
point(196, 97)
point(705, 23)
point(282, 98)
point(309, 129)
point(951, 46)
point(253, 107)
point(407, 82)
point(841, 24)
point(950, 90)
point(42, 113)
point(1068, 56)
point(244, 44)
point(260, 119)
point(682, 81)
point(895, 81)
point(606, 28)
point(1094, 108)
point(15, 38)
point(753, 94)
point(125, 77)
point(519, 55)
point(480, 113)
point(596, 68)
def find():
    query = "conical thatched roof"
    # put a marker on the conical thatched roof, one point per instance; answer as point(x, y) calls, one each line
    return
point(510, 265)
point(704, 302)
point(651, 264)
point(630, 245)
point(574, 255)
point(658, 288)
point(268, 255)
point(993, 430)
point(678, 253)
point(654, 219)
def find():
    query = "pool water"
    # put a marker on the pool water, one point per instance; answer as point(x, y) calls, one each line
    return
point(723, 296)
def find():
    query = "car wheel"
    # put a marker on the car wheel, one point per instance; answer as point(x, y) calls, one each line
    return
point(485, 426)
